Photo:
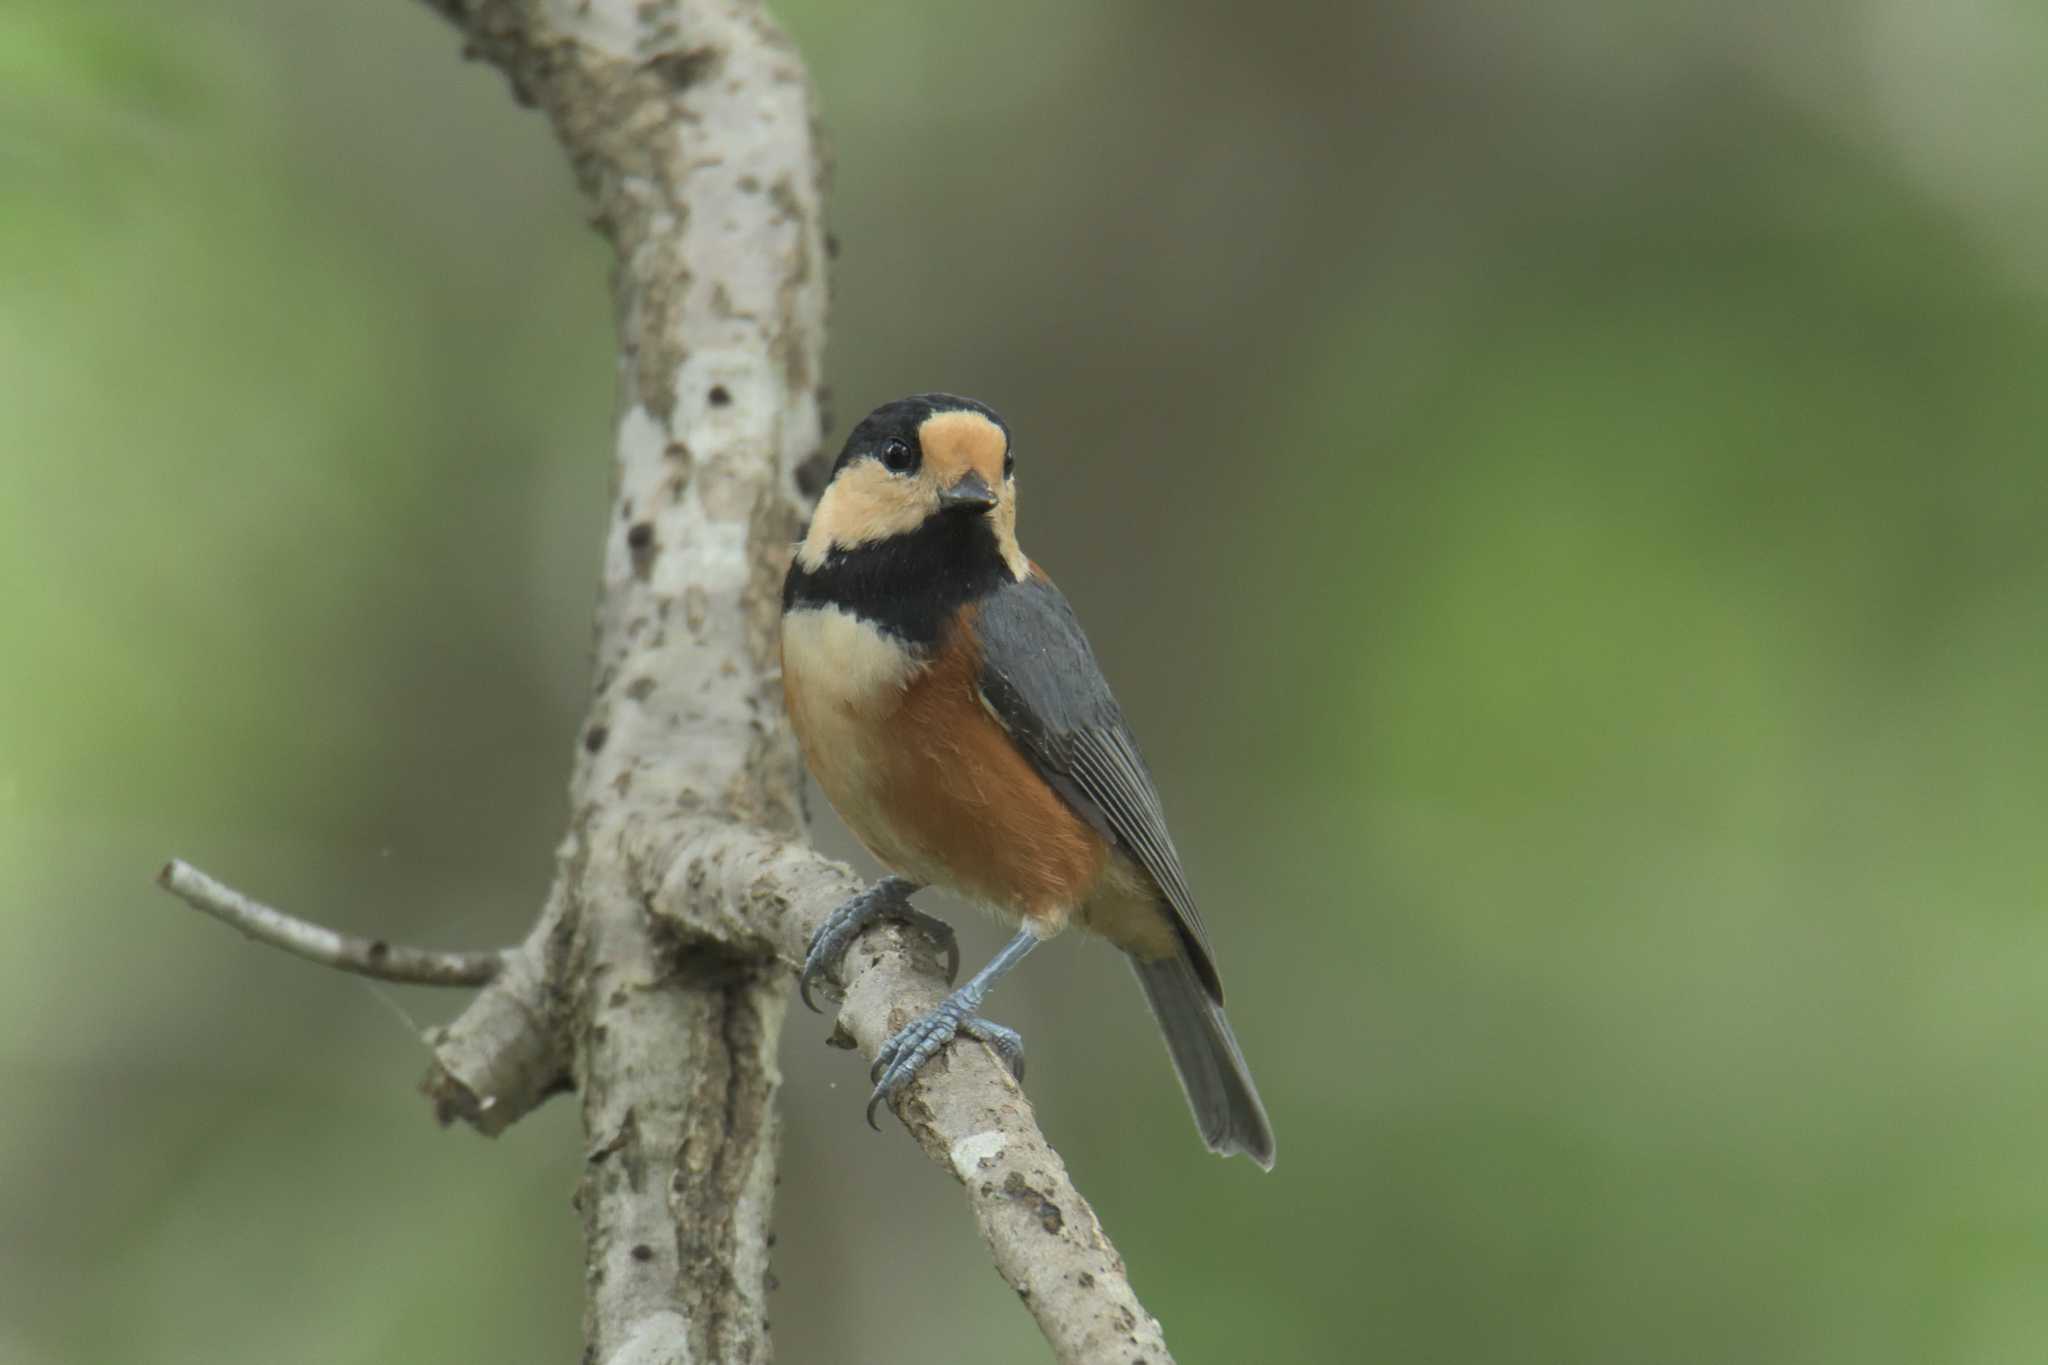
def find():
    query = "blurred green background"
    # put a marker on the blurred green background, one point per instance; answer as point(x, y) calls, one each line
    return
point(1561, 490)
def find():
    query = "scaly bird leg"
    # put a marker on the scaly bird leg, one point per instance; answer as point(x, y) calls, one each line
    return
point(920, 1040)
point(888, 898)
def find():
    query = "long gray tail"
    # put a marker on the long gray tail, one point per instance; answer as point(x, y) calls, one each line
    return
point(1205, 1053)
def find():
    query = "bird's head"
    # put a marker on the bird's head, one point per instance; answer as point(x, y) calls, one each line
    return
point(933, 468)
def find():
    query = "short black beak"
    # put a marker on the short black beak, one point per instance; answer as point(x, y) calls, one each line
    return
point(970, 494)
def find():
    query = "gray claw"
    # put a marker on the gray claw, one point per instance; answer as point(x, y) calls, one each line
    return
point(939, 932)
point(1006, 1043)
point(886, 899)
point(904, 1055)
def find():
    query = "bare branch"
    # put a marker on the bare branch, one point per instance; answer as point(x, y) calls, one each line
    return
point(315, 943)
point(509, 1051)
point(732, 884)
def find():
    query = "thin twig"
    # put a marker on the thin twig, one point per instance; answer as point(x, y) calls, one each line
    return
point(345, 952)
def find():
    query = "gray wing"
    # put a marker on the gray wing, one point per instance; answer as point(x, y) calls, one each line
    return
point(1041, 680)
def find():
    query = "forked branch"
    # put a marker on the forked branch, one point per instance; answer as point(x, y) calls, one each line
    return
point(656, 979)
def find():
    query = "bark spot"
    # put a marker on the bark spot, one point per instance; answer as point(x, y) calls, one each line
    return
point(640, 544)
point(684, 69)
point(1048, 1214)
point(625, 1143)
point(594, 738)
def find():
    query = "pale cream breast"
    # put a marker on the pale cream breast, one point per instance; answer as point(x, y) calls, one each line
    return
point(844, 678)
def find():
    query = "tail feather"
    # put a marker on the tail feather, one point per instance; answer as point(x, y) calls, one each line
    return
point(1205, 1053)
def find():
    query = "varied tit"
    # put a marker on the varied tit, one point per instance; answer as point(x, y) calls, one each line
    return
point(951, 709)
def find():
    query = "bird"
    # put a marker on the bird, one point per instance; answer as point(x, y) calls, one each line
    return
point(952, 711)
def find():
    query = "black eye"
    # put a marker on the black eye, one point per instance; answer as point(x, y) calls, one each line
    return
point(897, 457)
point(1009, 463)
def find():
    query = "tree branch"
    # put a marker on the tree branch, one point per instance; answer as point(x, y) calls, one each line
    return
point(344, 952)
point(732, 885)
point(656, 979)
point(510, 1050)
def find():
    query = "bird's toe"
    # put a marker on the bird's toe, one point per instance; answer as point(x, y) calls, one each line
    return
point(898, 1061)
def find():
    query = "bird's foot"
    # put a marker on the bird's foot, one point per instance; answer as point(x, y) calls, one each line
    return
point(900, 1059)
point(888, 898)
